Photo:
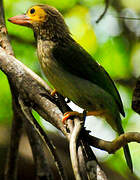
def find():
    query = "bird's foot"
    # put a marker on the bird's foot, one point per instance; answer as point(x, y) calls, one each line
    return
point(53, 92)
point(69, 114)
point(82, 115)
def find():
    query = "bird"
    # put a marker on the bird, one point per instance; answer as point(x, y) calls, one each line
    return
point(71, 70)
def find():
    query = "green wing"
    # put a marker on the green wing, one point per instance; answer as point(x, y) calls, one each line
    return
point(74, 59)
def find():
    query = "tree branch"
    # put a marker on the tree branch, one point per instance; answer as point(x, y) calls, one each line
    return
point(112, 146)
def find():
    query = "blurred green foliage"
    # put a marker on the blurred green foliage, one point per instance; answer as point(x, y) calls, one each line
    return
point(5, 100)
point(110, 42)
point(116, 62)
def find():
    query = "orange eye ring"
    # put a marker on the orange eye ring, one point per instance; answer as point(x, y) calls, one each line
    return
point(36, 14)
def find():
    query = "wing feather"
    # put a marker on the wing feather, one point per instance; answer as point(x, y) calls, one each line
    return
point(73, 58)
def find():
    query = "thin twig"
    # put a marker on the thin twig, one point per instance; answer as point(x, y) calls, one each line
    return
point(128, 18)
point(73, 148)
point(104, 12)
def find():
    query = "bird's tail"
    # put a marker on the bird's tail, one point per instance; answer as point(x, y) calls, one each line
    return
point(126, 147)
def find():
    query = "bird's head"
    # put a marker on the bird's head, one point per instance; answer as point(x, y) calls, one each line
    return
point(46, 21)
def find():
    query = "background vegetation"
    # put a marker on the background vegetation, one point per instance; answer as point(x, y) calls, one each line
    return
point(114, 42)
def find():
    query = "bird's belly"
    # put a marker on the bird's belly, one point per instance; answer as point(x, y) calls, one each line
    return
point(82, 92)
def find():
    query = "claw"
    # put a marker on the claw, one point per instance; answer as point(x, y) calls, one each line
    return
point(65, 118)
point(53, 92)
point(69, 114)
point(81, 115)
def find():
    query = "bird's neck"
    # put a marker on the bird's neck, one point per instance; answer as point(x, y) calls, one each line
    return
point(52, 32)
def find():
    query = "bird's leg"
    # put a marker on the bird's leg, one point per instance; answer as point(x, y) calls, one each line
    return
point(53, 92)
point(75, 113)
point(95, 113)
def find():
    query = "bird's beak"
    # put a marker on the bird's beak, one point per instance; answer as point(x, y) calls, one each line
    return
point(23, 20)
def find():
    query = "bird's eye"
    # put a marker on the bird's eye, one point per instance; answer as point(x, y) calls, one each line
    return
point(32, 11)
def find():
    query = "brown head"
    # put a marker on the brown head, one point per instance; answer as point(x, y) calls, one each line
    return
point(46, 22)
